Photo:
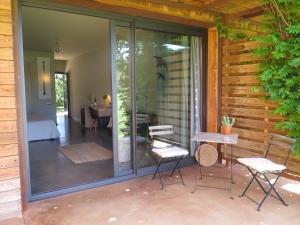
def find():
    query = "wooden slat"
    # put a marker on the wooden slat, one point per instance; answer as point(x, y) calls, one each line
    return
point(252, 123)
point(6, 53)
point(5, 16)
point(247, 101)
point(10, 189)
point(9, 173)
point(5, 4)
point(280, 144)
point(249, 68)
point(10, 196)
point(7, 90)
point(7, 102)
point(245, 112)
point(242, 143)
point(8, 126)
point(239, 47)
point(235, 59)
point(241, 152)
point(242, 90)
point(254, 118)
point(251, 134)
point(9, 161)
point(11, 184)
point(237, 80)
point(7, 78)
point(8, 138)
point(8, 150)
point(7, 114)
point(5, 41)
point(6, 66)
point(5, 28)
point(10, 209)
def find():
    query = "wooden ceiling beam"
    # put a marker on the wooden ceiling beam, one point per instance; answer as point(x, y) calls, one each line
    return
point(249, 13)
point(147, 9)
point(214, 3)
point(160, 10)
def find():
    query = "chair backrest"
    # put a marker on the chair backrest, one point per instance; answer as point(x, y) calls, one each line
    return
point(142, 118)
point(93, 113)
point(279, 147)
point(160, 130)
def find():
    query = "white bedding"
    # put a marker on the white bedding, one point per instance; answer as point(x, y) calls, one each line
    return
point(41, 128)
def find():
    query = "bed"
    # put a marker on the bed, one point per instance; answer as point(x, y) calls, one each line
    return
point(41, 128)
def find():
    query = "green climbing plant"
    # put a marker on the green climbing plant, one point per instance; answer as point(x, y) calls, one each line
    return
point(280, 67)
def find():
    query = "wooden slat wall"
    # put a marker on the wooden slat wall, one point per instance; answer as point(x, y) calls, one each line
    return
point(254, 117)
point(10, 198)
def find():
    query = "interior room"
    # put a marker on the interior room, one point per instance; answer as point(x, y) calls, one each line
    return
point(67, 63)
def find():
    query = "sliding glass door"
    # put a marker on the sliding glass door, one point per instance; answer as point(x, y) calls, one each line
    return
point(122, 113)
point(157, 82)
point(163, 88)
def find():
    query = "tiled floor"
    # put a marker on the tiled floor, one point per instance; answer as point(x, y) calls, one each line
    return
point(141, 201)
point(51, 170)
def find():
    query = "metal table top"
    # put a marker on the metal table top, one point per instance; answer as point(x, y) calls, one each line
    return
point(215, 137)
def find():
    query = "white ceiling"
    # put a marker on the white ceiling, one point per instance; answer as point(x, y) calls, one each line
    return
point(76, 34)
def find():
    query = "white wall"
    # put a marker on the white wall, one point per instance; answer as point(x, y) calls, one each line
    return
point(44, 107)
point(90, 75)
point(60, 66)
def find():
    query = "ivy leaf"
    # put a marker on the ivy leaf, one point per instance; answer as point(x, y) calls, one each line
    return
point(295, 62)
point(294, 29)
point(296, 147)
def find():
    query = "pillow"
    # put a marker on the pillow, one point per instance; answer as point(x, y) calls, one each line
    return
point(160, 144)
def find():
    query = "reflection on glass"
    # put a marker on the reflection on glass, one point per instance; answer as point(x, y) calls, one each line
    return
point(162, 88)
point(123, 97)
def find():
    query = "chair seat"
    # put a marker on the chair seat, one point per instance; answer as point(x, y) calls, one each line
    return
point(170, 152)
point(262, 165)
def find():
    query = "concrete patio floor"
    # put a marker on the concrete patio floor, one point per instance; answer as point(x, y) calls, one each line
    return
point(141, 201)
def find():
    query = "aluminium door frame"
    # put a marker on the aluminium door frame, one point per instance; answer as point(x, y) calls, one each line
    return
point(136, 22)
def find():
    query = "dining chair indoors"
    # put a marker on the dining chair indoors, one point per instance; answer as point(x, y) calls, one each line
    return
point(94, 117)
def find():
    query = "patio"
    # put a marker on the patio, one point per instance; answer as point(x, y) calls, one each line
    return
point(141, 201)
point(236, 85)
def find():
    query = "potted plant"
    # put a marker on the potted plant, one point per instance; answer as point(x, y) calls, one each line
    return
point(227, 123)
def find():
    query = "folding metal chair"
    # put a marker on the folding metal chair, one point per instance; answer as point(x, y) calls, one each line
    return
point(163, 150)
point(261, 168)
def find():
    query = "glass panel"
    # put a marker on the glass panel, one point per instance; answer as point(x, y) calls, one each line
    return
point(123, 98)
point(67, 150)
point(196, 49)
point(162, 88)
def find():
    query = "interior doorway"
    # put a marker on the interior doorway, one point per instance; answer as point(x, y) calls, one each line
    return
point(62, 94)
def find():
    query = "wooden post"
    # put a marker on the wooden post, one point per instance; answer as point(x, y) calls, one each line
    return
point(213, 84)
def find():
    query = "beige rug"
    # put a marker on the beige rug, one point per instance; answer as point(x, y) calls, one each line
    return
point(85, 152)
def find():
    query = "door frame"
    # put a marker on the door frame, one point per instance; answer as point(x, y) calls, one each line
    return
point(67, 77)
point(21, 101)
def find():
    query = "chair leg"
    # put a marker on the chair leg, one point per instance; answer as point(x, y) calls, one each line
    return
point(181, 176)
point(157, 168)
point(95, 125)
point(161, 181)
point(249, 184)
point(273, 188)
point(177, 167)
point(262, 201)
point(157, 171)
point(267, 192)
